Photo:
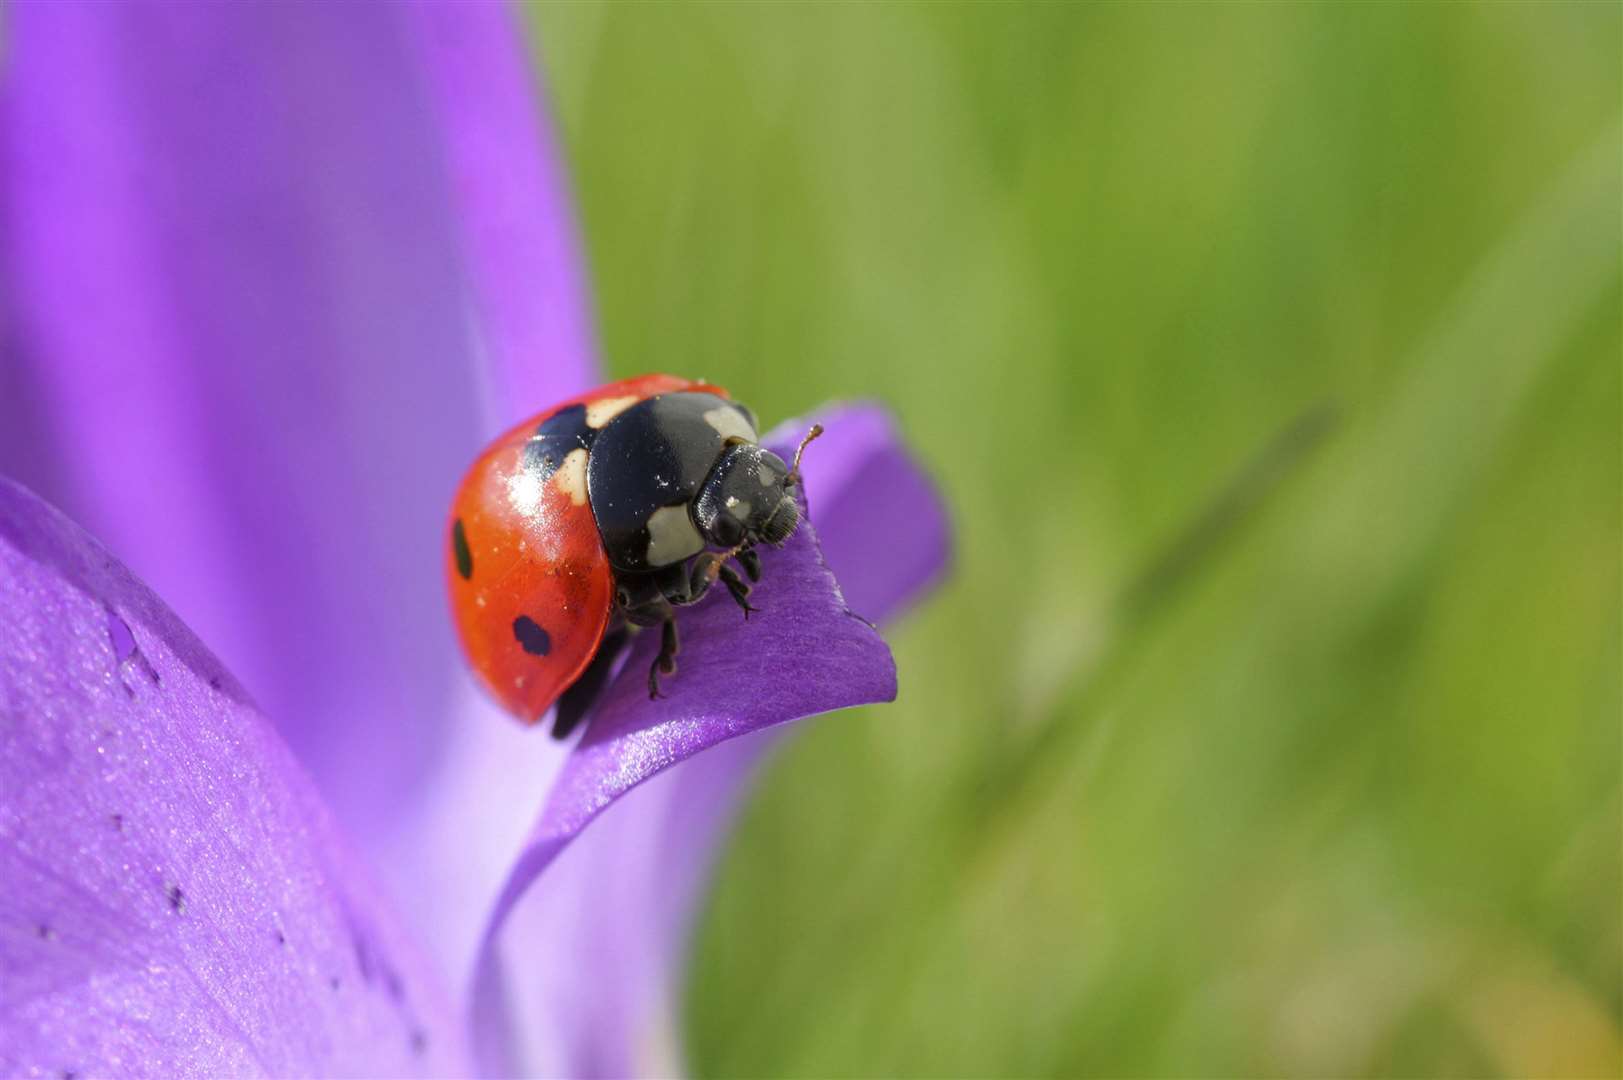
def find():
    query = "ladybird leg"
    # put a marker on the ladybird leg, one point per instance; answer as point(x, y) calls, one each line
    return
point(687, 585)
point(750, 560)
point(640, 598)
point(669, 646)
point(665, 662)
point(676, 585)
point(738, 588)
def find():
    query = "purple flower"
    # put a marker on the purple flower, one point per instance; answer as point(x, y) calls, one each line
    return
point(271, 275)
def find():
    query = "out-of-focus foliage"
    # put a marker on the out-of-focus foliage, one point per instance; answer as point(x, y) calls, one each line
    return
point(1269, 357)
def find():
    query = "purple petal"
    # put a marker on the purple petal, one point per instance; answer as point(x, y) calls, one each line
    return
point(255, 257)
point(512, 208)
point(590, 952)
point(177, 900)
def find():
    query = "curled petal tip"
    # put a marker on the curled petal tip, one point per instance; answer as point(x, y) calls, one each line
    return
point(810, 647)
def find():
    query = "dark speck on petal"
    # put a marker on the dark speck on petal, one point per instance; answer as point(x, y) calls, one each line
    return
point(397, 988)
point(363, 958)
point(118, 632)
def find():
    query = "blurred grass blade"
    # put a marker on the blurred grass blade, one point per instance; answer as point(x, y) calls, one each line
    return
point(1245, 494)
point(1400, 471)
point(1196, 546)
point(1406, 467)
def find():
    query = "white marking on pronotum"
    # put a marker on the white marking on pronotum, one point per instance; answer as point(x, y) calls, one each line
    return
point(730, 423)
point(741, 508)
point(671, 536)
point(601, 412)
point(571, 476)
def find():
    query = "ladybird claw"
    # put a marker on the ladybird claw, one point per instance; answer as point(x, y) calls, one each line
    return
point(739, 588)
point(665, 661)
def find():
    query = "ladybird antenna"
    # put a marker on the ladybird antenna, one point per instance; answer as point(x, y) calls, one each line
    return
point(794, 470)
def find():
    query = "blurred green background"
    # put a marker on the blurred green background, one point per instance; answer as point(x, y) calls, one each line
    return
point(1268, 356)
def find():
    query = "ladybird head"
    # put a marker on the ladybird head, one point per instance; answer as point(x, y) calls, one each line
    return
point(749, 496)
point(746, 498)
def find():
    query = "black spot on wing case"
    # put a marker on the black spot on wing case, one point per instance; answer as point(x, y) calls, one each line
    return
point(531, 636)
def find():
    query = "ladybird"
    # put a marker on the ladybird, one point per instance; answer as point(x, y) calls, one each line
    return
point(599, 517)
